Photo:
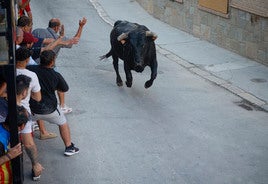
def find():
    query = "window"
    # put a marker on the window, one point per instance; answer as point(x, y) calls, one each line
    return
point(258, 7)
point(219, 7)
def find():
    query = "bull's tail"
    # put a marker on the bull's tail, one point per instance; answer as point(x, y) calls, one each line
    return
point(106, 55)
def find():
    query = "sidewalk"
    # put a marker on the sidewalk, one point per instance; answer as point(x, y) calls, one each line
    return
point(241, 76)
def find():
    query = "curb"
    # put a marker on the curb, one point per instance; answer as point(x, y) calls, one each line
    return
point(102, 13)
point(193, 68)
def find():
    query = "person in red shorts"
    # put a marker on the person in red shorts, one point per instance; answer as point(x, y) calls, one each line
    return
point(25, 8)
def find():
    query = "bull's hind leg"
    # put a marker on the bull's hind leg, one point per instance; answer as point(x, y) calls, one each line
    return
point(119, 81)
point(149, 83)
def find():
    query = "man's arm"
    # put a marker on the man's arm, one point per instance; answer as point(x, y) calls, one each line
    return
point(3, 90)
point(61, 42)
point(36, 96)
point(12, 153)
point(68, 43)
point(47, 41)
point(80, 28)
point(3, 158)
point(36, 89)
point(52, 45)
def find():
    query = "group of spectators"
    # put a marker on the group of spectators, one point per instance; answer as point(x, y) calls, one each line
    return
point(37, 84)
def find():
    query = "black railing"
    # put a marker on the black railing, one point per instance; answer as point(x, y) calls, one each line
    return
point(10, 73)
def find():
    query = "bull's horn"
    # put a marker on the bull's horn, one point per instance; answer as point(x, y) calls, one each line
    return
point(122, 36)
point(150, 33)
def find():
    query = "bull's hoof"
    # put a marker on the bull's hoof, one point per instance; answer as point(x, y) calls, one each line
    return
point(119, 84)
point(119, 81)
point(129, 84)
point(148, 84)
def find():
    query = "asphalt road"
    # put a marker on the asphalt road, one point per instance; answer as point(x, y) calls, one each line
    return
point(183, 129)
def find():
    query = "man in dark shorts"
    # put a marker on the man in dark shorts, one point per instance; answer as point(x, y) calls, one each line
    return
point(47, 109)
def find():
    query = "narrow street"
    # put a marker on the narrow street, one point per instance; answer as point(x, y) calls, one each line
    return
point(182, 130)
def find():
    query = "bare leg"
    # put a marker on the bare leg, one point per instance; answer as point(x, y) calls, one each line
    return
point(65, 134)
point(42, 127)
point(66, 137)
point(31, 150)
point(44, 134)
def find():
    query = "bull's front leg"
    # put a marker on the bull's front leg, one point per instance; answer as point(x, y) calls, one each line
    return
point(119, 81)
point(153, 67)
point(128, 76)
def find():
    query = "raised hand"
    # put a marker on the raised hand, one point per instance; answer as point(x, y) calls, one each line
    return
point(82, 22)
point(62, 32)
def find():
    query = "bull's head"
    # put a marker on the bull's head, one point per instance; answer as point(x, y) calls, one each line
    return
point(139, 42)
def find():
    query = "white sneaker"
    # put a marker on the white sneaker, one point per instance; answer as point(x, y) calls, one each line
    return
point(35, 127)
point(65, 109)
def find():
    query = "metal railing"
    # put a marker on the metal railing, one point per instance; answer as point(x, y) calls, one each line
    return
point(8, 19)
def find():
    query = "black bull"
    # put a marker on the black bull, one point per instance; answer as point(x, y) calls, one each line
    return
point(134, 44)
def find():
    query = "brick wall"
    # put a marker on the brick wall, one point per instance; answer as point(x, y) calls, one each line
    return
point(243, 33)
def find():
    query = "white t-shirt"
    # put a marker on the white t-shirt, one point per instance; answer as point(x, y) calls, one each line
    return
point(34, 86)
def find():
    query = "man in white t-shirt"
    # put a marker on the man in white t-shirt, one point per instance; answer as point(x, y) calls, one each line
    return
point(22, 58)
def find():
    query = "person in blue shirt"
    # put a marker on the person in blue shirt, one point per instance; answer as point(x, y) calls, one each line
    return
point(7, 153)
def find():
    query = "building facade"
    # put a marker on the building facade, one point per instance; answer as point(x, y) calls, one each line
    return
point(240, 26)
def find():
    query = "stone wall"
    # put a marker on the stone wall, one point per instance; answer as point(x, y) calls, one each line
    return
point(242, 32)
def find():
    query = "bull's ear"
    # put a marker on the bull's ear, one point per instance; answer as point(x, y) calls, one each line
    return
point(151, 34)
point(123, 42)
point(122, 38)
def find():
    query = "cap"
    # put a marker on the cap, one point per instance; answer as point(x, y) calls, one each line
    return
point(29, 38)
